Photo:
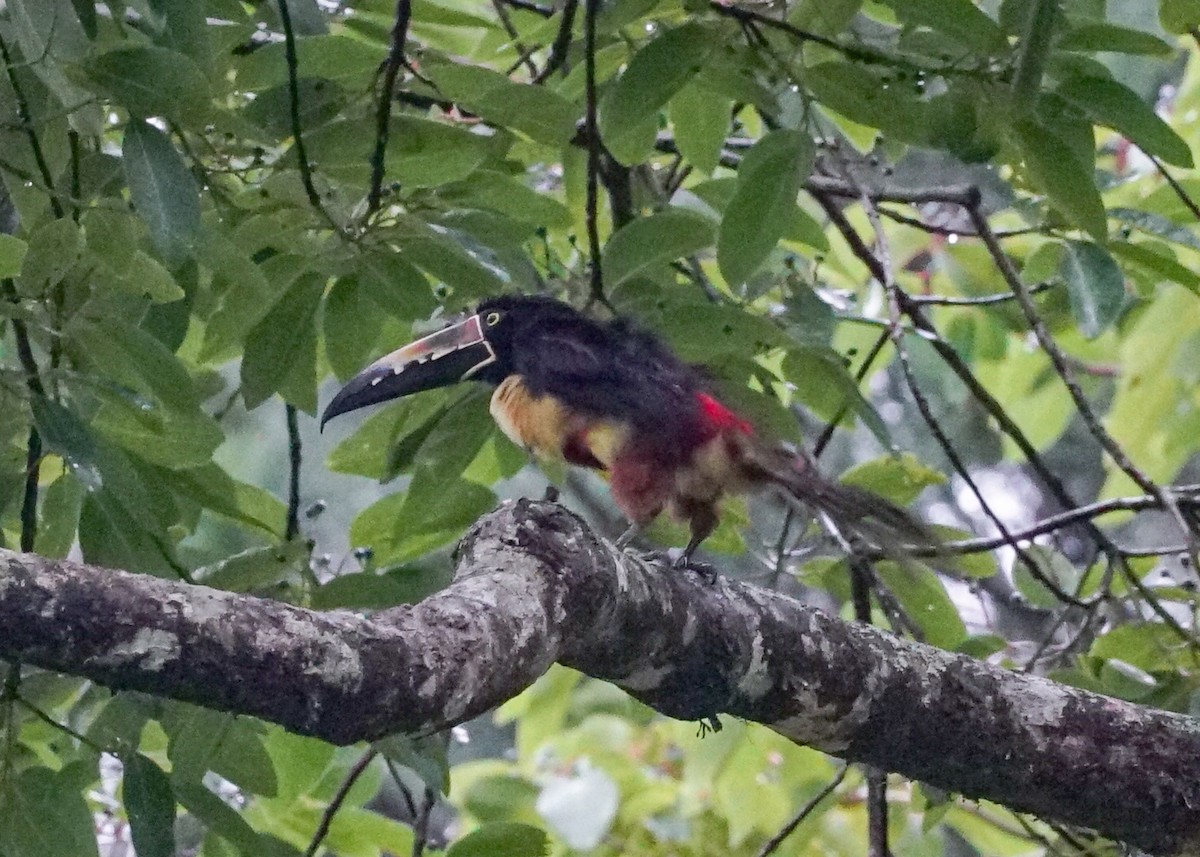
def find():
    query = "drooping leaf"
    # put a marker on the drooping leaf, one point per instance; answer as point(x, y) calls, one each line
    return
point(1107, 102)
point(153, 81)
point(1086, 34)
point(274, 346)
point(41, 814)
point(150, 805)
point(163, 190)
point(657, 71)
point(701, 122)
point(654, 240)
point(12, 254)
point(537, 111)
point(1068, 182)
point(1161, 263)
point(899, 478)
point(502, 839)
point(961, 20)
point(54, 248)
point(759, 213)
point(1096, 286)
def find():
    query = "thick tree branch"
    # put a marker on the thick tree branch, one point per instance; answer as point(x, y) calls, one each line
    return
point(535, 586)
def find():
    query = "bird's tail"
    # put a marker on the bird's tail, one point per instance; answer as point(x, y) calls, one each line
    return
point(856, 514)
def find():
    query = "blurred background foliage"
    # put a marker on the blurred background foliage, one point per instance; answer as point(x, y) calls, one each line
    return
point(214, 209)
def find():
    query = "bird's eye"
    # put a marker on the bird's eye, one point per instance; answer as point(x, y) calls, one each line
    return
point(493, 318)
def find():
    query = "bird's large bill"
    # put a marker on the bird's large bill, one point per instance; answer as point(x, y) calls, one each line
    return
point(446, 357)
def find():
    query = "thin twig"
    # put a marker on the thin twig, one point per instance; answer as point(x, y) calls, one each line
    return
point(593, 151)
point(26, 117)
point(561, 45)
point(293, 71)
point(881, 271)
point(827, 433)
point(515, 36)
point(980, 300)
point(383, 109)
point(772, 844)
point(33, 446)
point(1180, 190)
point(339, 798)
point(61, 727)
point(421, 827)
point(1065, 519)
point(950, 231)
point(527, 6)
point(1062, 366)
point(294, 460)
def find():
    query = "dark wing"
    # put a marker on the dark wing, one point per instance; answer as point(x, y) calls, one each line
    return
point(620, 373)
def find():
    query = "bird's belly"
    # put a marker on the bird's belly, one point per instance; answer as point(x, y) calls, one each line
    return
point(549, 429)
point(715, 468)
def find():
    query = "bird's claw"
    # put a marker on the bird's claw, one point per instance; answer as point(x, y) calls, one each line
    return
point(677, 559)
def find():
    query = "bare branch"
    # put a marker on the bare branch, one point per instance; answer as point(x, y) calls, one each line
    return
point(534, 586)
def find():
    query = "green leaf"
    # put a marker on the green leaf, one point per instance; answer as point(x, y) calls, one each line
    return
point(218, 816)
point(250, 293)
point(539, 112)
point(153, 81)
point(654, 240)
point(1107, 102)
point(150, 805)
point(924, 599)
point(12, 254)
point(701, 122)
point(502, 839)
point(1179, 16)
point(1068, 182)
point(255, 568)
point(359, 591)
point(274, 346)
point(899, 478)
point(54, 248)
point(336, 57)
point(1053, 566)
point(40, 814)
point(1091, 36)
point(162, 188)
point(495, 191)
point(218, 492)
point(203, 740)
point(1156, 224)
point(150, 278)
point(350, 328)
point(763, 202)
point(870, 97)
point(1096, 285)
point(1159, 262)
point(424, 756)
point(961, 20)
point(452, 256)
point(62, 502)
point(657, 71)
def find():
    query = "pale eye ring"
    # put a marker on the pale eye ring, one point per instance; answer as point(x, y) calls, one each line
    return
point(493, 318)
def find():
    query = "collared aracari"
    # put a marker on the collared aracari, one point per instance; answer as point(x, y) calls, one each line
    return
point(611, 396)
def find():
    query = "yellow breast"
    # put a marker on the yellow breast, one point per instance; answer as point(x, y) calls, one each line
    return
point(548, 428)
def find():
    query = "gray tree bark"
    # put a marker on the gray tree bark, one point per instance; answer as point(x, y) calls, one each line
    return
point(535, 586)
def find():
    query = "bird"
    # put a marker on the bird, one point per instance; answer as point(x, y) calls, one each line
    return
point(610, 395)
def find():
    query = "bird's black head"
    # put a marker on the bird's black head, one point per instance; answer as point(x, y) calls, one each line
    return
point(481, 346)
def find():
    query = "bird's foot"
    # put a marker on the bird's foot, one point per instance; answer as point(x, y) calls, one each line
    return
point(678, 560)
point(684, 561)
point(707, 725)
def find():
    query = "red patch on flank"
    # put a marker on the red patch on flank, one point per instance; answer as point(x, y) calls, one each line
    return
point(720, 417)
point(577, 452)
